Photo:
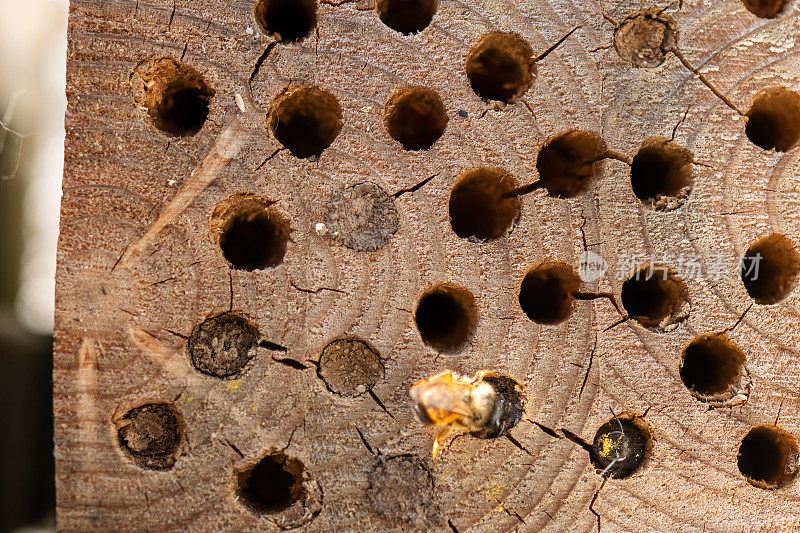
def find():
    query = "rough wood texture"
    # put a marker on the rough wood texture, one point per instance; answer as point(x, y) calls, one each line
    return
point(139, 268)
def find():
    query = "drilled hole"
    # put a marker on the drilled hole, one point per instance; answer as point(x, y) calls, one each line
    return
point(629, 445)
point(661, 174)
point(222, 345)
point(415, 117)
point(656, 297)
point(272, 485)
point(406, 16)
point(175, 95)
point(349, 367)
point(768, 457)
point(446, 316)
point(501, 66)
point(546, 293)
point(151, 435)
point(480, 206)
point(286, 20)
point(509, 407)
point(645, 38)
point(773, 120)
point(769, 269)
point(305, 120)
point(712, 367)
point(765, 9)
point(568, 163)
point(252, 235)
point(401, 490)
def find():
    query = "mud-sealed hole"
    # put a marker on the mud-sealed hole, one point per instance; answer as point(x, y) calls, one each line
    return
point(713, 368)
point(546, 293)
point(305, 119)
point(768, 457)
point(765, 9)
point(645, 38)
point(280, 487)
point(501, 66)
point(773, 120)
point(568, 162)
point(401, 490)
point(406, 16)
point(662, 174)
point(363, 217)
point(656, 297)
point(621, 446)
point(350, 367)
point(480, 205)
point(222, 345)
point(415, 117)
point(151, 435)
point(769, 269)
point(176, 96)
point(251, 234)
point(286, 20)
point(446, 316)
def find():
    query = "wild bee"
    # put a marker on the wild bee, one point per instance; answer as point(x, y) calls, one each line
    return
point(487, 405)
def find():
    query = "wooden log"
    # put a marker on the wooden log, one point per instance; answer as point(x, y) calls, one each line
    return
point(237, 328)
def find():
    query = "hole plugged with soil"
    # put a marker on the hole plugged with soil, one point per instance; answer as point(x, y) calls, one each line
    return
point(272, 485)
point(768, 457)
point(222, 345)
point(769, 269)
point(644, 38)
point(406, 16)
point(176, 96)
point(773, 120)
point(305, 119)
point(713, 368)
point(401, 490)
point(547, 292)
point(624, 441)
point(415, 117)
point(480, 205)
point(568, 162)
point(363, 217)
point(765, 9)
point(349, 367)
point(662, 174)
point(286, 20)
point(501, 66)
point(151, 435)
point(446, 316)
point(656, 297)
point(251, 234)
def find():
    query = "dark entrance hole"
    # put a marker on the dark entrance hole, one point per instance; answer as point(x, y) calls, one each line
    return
point(765, 9)
point(272, 485)
point(656, 297)
point(406, 16)
point(773, 120)
point(712, 367)
point(415, 117)
point(769, 269)
point(501, 66)
point(286, 20)
point(253, 235)
point(547, 292)
point(768, 457)
point(446, 316)
point(568, 162)
point(305, 120)
point(661, 174)
point(480, 206)
point(176, 96)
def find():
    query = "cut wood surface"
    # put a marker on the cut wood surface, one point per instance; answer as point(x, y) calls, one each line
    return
point(146, 217)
